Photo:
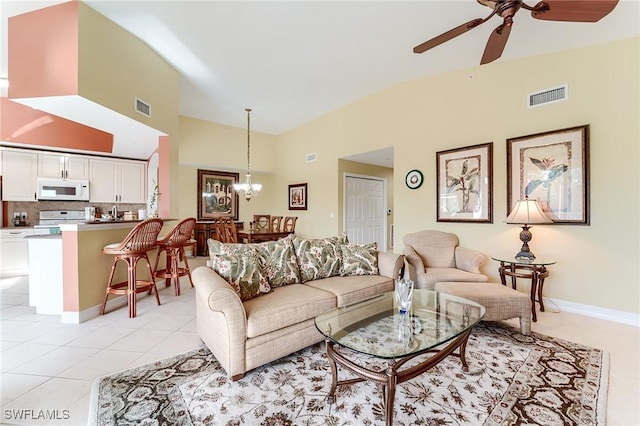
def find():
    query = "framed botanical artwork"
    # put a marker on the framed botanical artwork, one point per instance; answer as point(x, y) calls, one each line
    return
point(216, 196)
point(552, 168)
point(465, 184)
point(298, 196)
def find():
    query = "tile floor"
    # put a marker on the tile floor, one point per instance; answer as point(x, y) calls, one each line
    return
point(47, 365)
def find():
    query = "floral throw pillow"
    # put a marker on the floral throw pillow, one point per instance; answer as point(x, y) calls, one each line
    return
point(279, 262)
point(243, 272)
point(318, 258)
point(359, 259)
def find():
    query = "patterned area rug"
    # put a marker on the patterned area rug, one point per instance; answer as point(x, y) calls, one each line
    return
point(513, 380)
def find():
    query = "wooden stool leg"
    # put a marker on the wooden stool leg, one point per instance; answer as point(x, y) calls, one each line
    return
point(131, 288)
point(106, 294)
point(152, 281)
point(186, 265)
point(175, 269)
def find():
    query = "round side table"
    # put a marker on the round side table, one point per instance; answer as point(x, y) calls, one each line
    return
point(533, 269)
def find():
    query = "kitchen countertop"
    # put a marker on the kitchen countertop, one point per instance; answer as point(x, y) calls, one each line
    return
point(44, 236)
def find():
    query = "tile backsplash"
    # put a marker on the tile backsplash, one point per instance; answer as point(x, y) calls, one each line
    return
point(33, 209)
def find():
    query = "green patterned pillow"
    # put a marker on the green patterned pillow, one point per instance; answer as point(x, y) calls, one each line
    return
point(216, 247)
point(242, 272)
point(318, 258)
point(279, 262)
point(359, 259)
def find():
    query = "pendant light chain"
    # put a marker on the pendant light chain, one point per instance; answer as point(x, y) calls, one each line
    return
point(248, 140)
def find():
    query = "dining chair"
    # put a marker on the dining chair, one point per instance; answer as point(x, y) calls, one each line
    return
point(289, 224)
point(276, 223)
point(227, 230)
point(261, 221)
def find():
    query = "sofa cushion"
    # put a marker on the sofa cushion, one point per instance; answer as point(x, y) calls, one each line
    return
point(285, 306)
point(242, 272)
point(434, 275)
point(359, 259)
point(318, 258)
point(277, 259)
point(349, 290)
point(279, 262)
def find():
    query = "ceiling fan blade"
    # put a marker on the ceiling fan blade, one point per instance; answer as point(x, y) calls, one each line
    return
point(455, 32)
point(573, 10)
point(497, 42)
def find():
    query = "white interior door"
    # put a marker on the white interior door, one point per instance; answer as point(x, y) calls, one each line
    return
point(365, 213)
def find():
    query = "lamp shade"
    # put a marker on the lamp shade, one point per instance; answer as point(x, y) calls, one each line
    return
point(527, 212)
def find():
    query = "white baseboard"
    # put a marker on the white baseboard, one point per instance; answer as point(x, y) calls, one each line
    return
point(596, 312)
point(92, 312)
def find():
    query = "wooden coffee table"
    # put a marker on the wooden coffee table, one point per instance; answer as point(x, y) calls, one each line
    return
point(436, 326)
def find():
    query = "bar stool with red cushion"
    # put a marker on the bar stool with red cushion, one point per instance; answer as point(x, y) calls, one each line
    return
point(173, 246)
point(142, 239)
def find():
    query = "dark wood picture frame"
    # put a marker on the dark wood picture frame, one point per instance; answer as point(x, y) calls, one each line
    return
point(464, 183)
point(298, 196)
point(216, 196)
point(552, 168)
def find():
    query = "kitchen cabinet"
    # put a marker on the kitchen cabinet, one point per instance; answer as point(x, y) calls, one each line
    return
point(14, 257)
point(63, 166)
point(19, 175)
point(117, 181)
point(205, 230)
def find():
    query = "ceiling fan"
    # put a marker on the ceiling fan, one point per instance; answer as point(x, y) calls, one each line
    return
point(548, 10)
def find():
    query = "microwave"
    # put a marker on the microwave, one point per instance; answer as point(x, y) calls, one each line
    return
point(63, 189)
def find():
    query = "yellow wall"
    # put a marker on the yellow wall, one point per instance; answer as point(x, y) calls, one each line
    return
point(597, 264)
point(113, 70)
point(212, 146)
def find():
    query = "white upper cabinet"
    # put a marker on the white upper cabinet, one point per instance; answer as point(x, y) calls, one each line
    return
point(63, 166)
point(117, 181)
point(19, 175)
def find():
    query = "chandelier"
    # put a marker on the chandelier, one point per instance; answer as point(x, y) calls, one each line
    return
point(248, 189)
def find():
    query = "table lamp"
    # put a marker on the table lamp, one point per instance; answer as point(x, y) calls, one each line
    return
point(527, 212)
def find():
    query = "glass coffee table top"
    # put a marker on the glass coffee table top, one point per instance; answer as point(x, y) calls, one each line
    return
point(375, 327)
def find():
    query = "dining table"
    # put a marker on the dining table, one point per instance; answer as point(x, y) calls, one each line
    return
point(258, 235)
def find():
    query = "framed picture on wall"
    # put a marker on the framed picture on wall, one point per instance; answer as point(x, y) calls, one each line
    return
point(298, 196)
point(552, 168)
point(464, 184)
point(216, 196)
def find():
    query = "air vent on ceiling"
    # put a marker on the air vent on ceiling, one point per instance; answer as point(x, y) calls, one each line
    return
point(311, 157)
point(547, 96)
point(143, 108)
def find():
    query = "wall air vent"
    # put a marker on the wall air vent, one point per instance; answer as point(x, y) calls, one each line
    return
point(548, 96)
point(311, 157)
point(143, 108)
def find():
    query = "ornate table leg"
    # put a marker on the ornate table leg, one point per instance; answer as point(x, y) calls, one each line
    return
point(390, 391)
point(534, 288)
point(542, 274)
point(334, 373)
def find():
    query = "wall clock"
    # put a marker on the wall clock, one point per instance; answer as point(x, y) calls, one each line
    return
point(414, 179)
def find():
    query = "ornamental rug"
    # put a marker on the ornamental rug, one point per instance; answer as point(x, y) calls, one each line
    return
point(513, 380)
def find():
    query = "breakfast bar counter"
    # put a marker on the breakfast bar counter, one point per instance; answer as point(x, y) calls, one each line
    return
point(85, 270)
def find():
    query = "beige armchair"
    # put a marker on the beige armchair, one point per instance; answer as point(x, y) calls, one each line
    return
point(434, 256)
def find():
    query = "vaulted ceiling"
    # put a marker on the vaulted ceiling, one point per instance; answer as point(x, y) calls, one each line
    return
point(293, 61)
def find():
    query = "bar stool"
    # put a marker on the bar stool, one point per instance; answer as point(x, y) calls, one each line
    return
point(173, 246)
point(142, 238)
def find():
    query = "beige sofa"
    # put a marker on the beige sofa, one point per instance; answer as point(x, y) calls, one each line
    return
point(246, 334)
